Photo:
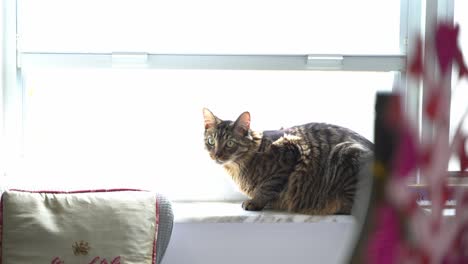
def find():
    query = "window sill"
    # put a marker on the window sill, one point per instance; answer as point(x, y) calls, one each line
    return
point(232, 212)
point(222, 232)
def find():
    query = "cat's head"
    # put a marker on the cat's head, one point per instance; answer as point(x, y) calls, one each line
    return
point(226, 140)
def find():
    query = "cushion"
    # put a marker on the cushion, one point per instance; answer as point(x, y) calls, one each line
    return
point(100, 226)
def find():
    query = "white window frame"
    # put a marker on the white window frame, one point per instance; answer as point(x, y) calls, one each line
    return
point(436, 11)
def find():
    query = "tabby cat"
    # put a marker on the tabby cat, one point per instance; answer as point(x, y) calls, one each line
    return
point(309, 169)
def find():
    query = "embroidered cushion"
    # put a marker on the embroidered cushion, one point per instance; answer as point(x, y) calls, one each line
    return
point(102, 226)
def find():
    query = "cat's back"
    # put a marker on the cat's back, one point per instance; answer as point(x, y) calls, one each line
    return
point(322, 133)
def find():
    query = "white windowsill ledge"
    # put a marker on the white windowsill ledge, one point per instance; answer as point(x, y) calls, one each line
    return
point(230, 212)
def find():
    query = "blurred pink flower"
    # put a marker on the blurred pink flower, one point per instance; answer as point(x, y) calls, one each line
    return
point(385, 242)
point(448, 51)
point(446, 45)
point(416, 67)
point(433, 105)
point(407, 153)
point(462, 155)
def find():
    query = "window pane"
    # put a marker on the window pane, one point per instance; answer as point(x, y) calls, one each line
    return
point(459, 88)
point(144, 128)
point(210, 26)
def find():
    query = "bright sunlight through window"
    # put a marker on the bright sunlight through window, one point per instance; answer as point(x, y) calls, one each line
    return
point(88, 126)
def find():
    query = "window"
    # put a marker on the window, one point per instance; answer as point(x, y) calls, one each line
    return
point(153, 135)
point(210, 26)
point(109, 94)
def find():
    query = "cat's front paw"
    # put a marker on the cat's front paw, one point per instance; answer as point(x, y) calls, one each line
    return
point(251, 205)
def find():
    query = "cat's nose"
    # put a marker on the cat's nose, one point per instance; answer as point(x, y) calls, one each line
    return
point(218, 158)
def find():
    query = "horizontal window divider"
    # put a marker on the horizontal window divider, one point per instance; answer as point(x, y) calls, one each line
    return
point(336, 62)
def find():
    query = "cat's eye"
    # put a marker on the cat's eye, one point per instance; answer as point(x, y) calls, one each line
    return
point(230, 144)
point(211, 141)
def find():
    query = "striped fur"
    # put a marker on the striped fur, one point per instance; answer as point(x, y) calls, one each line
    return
point(310, 169)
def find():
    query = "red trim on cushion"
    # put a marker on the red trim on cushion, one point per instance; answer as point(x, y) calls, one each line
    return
point(80, 191)
point(156, 229)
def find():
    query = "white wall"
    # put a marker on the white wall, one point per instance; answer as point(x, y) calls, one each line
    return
point(272, 243)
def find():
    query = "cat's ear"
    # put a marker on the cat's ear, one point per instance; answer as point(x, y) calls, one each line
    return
point(242, 124)
point(210, 119)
